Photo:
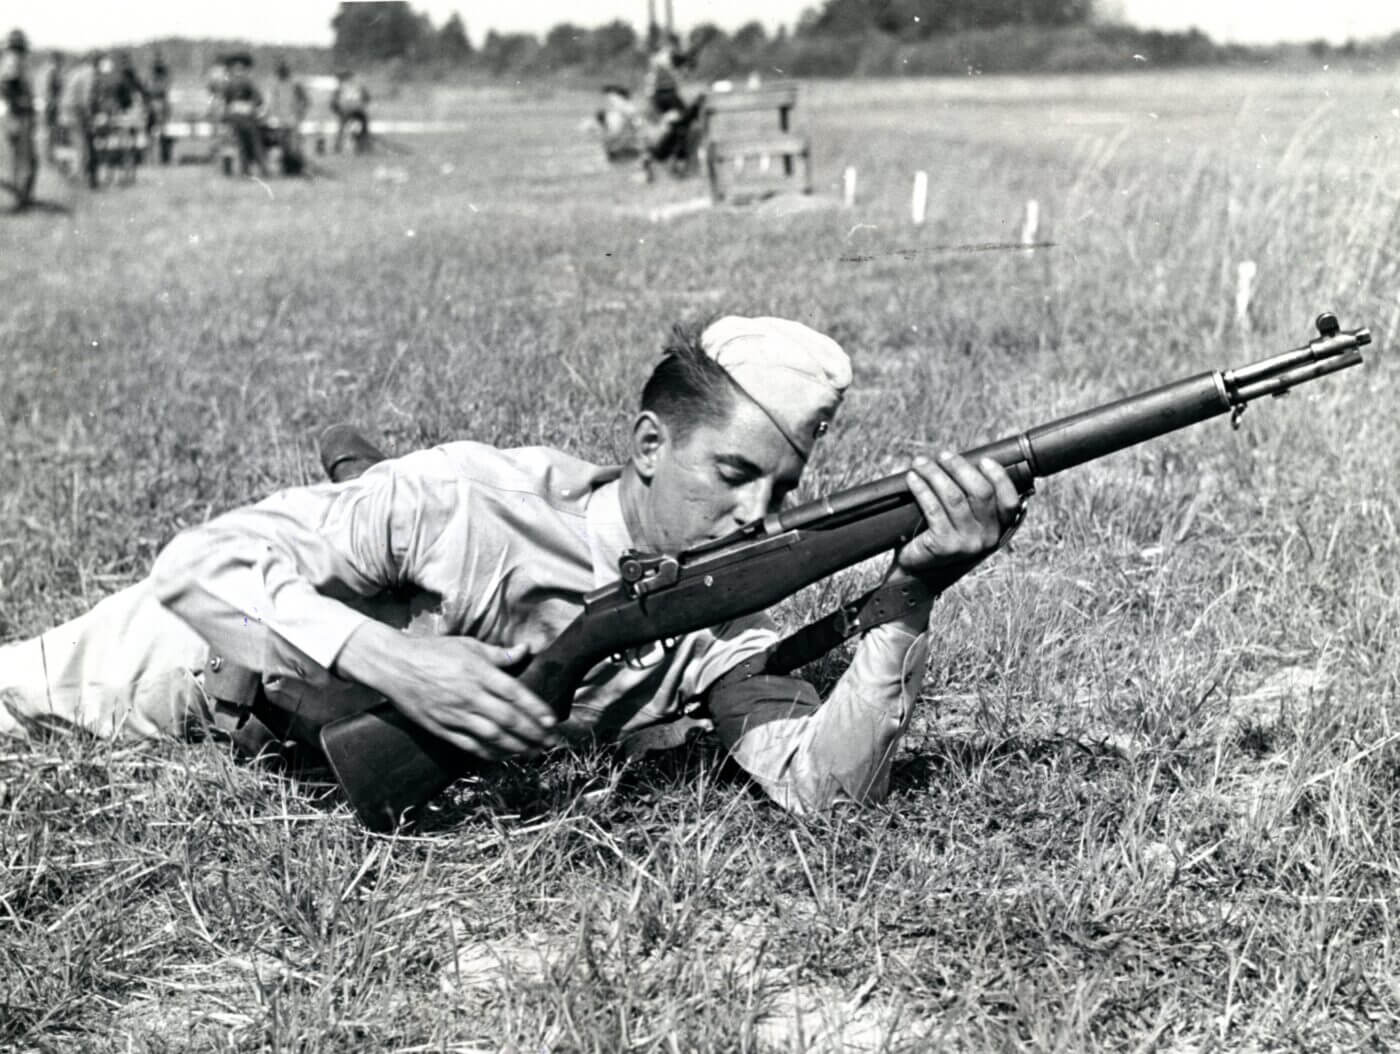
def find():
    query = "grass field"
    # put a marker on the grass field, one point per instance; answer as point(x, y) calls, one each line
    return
point(1150, 798)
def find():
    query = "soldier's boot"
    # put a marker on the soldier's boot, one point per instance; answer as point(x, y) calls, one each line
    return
point(345, 453)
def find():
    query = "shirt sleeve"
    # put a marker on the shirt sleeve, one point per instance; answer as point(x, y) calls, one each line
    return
point(273, 586)
point(808, 755)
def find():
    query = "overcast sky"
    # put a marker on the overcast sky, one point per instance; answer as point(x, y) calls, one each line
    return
point(87, 23)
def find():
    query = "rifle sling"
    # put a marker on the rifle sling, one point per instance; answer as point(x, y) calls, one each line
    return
point(884, 603)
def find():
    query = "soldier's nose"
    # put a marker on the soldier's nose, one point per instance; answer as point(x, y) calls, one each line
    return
point(753, 503)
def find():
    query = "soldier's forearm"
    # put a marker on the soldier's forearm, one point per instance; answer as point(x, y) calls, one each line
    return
point(808, 757)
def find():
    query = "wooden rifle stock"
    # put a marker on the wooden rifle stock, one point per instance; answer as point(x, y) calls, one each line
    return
point(388, 766)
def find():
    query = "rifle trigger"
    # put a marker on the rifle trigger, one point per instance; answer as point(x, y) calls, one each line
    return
point(1236, 414)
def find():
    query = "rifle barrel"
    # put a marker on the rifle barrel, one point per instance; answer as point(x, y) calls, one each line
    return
point(1091, 434)
point(1317, 351)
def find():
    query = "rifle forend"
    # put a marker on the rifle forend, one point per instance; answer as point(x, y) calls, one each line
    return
point(387, 765)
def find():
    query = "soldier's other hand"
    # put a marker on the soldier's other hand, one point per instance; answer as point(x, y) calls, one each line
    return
point(968, 509)
point(455, 687)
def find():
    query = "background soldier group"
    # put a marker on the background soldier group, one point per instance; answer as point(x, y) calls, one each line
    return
point(98, 114)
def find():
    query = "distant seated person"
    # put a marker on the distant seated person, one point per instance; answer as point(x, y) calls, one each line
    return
point(670, 118)
point(243, 111)
point(350, 104)
point(620, 124)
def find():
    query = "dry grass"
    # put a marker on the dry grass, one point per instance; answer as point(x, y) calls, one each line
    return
point(1150, 798)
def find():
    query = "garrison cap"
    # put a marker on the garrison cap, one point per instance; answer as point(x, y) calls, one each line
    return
point(795, 374)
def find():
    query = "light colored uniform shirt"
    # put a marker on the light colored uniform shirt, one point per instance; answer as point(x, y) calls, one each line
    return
point(286, 102)
point(79, 88)
point(463, 539)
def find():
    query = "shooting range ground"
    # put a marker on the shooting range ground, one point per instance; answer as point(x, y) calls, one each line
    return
point(1149, 795)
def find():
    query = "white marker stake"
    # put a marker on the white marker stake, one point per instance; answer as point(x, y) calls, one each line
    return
point(1030, 226)
point(1244, 292)
point(848, 181)
point(919, 206)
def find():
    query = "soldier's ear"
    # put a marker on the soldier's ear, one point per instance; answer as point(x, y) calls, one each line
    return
point(649, 439)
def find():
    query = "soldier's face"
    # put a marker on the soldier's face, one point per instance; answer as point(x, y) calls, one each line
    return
point(718, 478)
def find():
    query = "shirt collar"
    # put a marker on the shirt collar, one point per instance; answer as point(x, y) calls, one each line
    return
point(607, 531)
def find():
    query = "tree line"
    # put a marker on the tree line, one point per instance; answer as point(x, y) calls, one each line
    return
point(389, 30)
point(835, 38)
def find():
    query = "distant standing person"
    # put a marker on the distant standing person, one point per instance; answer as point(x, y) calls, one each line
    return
point(133, 101)
point(77, 112)
point(214, 83)
point(18, 95)
point(53, 97)
point(350, 104)
point(158, 108)
point(243, 104)
point(287, 105)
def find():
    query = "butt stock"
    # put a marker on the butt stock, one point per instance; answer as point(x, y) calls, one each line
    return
point(388, 766)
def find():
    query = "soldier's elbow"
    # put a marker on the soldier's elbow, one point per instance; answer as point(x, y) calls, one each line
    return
point(179, 566)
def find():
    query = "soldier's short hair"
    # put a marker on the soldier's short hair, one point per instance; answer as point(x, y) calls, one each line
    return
point(688, 388)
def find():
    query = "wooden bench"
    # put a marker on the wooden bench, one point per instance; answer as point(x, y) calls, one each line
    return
point(749, 154)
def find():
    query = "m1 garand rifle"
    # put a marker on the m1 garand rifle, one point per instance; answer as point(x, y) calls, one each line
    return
point(388, 766)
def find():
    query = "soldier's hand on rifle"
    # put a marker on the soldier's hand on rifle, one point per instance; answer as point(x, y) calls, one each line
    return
point(455, 687)
point(968, 509)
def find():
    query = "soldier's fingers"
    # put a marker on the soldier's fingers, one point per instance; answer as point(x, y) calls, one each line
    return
point(521, 713)
point(487, 750)
point(529, 706)
point(482, 731)
point(952, 497)
point(452, 731)
point(1008, 498)
point(979, 489)
point(935, 514)
point(502, 686)
point(493, 726)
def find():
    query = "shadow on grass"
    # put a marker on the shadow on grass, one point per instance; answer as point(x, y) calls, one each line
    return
point(33, 204)
point(940, 760)
point(532, 790)
point(525, 791)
